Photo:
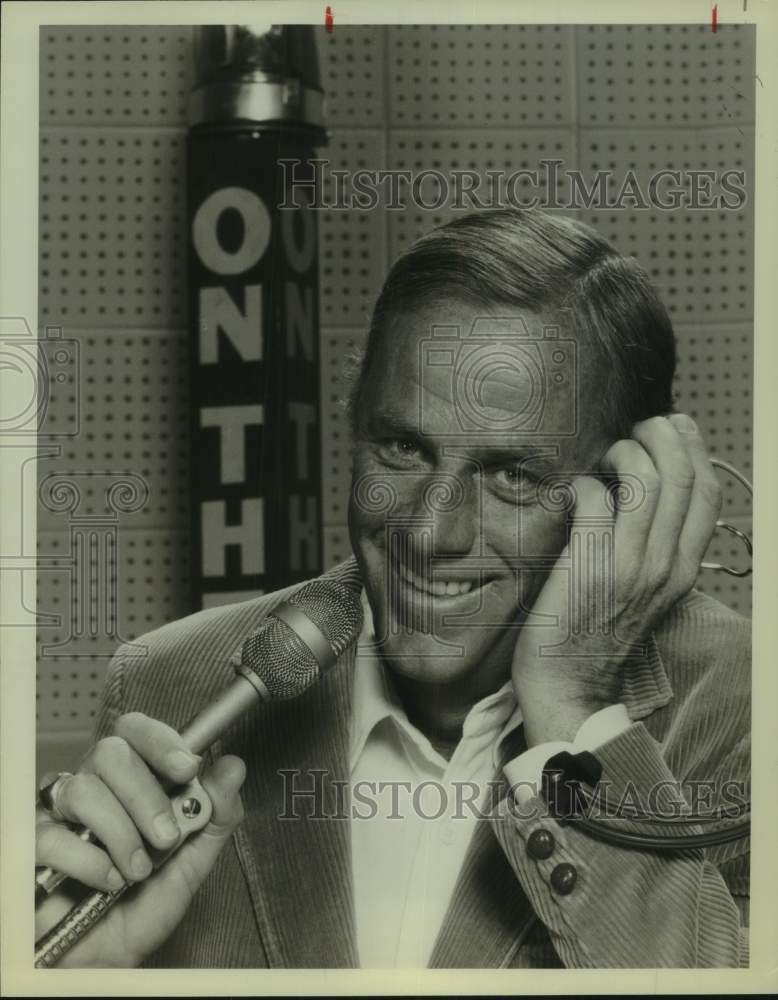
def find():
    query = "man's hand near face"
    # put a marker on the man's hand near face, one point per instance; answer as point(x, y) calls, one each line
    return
point(619, 574)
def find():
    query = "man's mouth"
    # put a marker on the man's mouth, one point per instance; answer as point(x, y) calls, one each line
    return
point(439, 585)
point(437, 588)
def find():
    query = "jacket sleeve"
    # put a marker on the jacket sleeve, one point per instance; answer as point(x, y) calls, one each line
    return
point(111, 703)
point(608, 906)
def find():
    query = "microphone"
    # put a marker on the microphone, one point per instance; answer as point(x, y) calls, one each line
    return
point(295, 646)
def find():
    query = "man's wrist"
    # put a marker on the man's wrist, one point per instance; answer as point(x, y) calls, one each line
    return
point(551, 717)
point(559, 722)
point(556, 701)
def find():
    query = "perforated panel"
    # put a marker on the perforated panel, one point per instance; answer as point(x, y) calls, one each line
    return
point(152, 585)
point(352, 254)
point(480, 75)
point(478, 150)
point(141, 75)
point(337, 546)
point(352, 66)
point(338, 347)
point(666, 74)
point(112, 228)
point(134, 418)
point(701, 260)
point(68, 692)
point(714, 384)
point(127, 75)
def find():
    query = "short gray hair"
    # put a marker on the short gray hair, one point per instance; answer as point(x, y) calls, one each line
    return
point(545, 263)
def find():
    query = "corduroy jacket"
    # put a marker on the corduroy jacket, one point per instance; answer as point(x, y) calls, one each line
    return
point(280, 895)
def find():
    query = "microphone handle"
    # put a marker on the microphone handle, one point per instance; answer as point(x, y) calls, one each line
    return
point(199, 733)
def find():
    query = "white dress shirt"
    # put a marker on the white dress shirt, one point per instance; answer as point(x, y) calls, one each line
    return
point(409, 839)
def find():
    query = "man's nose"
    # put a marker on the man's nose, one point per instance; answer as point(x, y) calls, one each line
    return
point(450, 507)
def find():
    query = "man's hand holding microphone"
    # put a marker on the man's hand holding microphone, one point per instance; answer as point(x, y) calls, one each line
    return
point(118, 794)
point(121, 793)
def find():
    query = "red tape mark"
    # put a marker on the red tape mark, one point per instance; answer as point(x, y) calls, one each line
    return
point(714, 21)
point(329, 19)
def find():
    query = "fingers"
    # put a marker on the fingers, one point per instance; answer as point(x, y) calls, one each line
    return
point(223, 782)
point(670, 457)
point(630, 462)
point(118, 795)
point(671, 528)
point(85, 799)
point(159, 745)
point(141, 795)
point(62, 849)
point(706, 499)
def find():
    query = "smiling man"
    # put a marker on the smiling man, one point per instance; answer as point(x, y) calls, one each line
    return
point(528, 518)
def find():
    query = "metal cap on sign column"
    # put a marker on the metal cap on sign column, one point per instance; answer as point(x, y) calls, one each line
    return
point(260, 73)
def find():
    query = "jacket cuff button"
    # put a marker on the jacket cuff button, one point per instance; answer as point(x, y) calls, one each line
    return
point(540, 844)
point(563, 879)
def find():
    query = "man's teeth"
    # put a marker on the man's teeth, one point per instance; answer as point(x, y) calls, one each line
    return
point(438, 588)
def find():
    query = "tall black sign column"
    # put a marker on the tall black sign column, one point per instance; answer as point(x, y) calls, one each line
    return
point(253, 299)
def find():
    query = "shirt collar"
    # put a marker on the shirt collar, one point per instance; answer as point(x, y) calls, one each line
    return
point(373, 699)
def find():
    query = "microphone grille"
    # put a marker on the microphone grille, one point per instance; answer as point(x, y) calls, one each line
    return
point(278, 655)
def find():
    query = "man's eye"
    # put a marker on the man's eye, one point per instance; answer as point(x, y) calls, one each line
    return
point(399, 450)
point(514, 481)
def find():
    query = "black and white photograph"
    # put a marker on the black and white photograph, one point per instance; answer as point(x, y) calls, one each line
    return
point(384, 488)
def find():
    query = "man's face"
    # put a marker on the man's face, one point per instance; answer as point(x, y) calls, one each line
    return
point(458, 438)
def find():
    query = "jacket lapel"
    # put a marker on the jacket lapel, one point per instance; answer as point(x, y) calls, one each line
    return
point(298, 864)
point(489, 914)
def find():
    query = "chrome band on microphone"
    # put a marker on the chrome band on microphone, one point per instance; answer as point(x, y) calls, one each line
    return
point(309, 632)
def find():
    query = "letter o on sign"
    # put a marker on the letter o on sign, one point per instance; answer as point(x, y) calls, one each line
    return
point(256, 230)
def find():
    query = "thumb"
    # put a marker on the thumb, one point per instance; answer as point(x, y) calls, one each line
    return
point(195, 858)
point(223, 782)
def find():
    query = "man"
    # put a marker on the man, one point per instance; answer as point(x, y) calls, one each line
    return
point(528, 519)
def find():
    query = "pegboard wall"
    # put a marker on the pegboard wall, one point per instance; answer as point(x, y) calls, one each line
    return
point(113, 262)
